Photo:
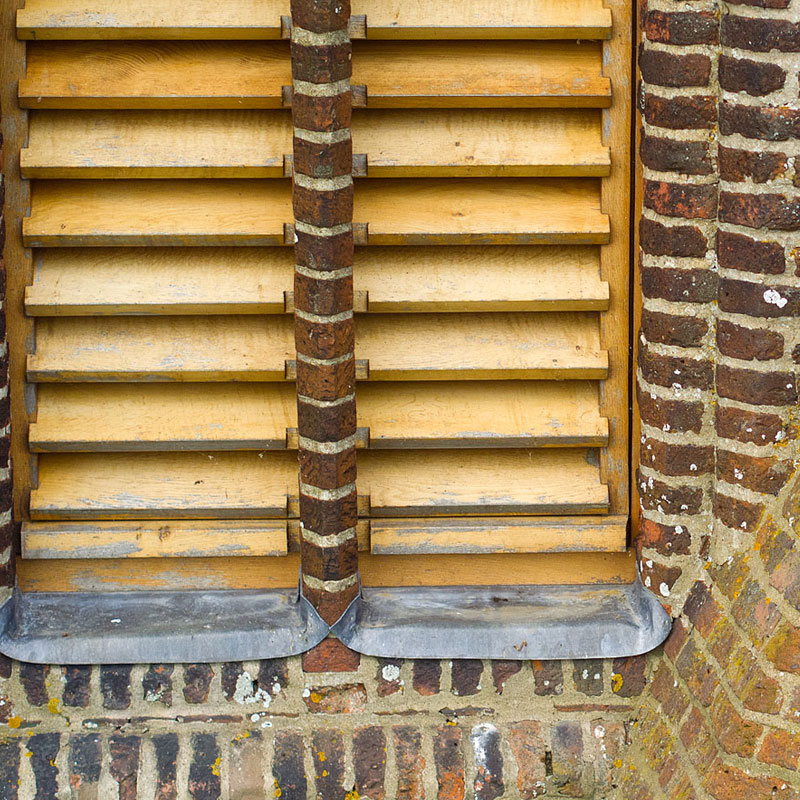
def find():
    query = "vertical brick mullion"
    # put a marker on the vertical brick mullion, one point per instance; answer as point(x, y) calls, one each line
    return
point(323, 291)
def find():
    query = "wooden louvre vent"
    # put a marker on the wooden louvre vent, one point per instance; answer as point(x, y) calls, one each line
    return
point(154, 367)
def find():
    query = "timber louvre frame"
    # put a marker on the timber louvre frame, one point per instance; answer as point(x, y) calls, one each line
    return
point(482, 281)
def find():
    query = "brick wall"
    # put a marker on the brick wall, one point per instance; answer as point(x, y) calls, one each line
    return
point(715, 714)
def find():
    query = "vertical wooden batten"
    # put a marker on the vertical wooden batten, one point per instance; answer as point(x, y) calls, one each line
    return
point(323, 301)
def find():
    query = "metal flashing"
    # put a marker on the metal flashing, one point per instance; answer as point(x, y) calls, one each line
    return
point(523, 622)
point(158, 626)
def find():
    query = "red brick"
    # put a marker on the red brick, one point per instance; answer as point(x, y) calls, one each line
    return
point(327, 751)
point(330, 655)
point(760, 167)
point(410, 762)
point(326, 382)
point(701, 608)
point(756, 78)
point(323, 208)
point(324, 253)
point(773, 211)
point(781, 748)
point(675, 155)
point(327, 470)
point(681, 200)
point(676, 416)
point(323, 297)
point(758, 300)
point(548, 678)
point(677, 113)
point(748, 426)
point(346, 698)
point(755, 614)
point(466, 676)
point(679, 285)
point(760, 35)
point(330, 605)
point(736, 251)
point(324, 340)
point(676, 459)
point(426, 674)
point(667, 499)
point(757, 388)
point(659, 578)
point(700, 676)
point(725, 781)
point(322, 113)
point(698, 741)
point(765, 475)
point(327, 423)
point(326, 63)
point(783, 649)
point(567, 762)
point(736, 513)
point(369, 761)
point(320, 16)
point(387, 676)
point(664, 539)
point(124, 767)
point(748, 344)
point(752, 686)
point(630, 676)
point(502, 671)
point(525, 739)
point(667, 69)
point(673, 329)
point(449, 759)
point(681, 27)
point(761, 3)
point(670, 370)
point(672, 698)
point(736, 735)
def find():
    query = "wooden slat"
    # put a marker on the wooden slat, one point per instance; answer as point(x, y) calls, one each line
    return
point(251, 416)
point(480, 346)
point(170, 574)
point(244, 348)
point(481, 74)
point(252, 19)
point(166, 75)
point(243, 280)
point(253, 144)
point(481, 414)
point(251, 348)
point(167, 280)
point(106, 213)
point(476, 211)
point(148, 144)
point(489, 482)
point(502, 569)
point(271, 573)
point(498, 535)
point(123, 417)
point(480, 143)
point(157, 539)
point(402, 279)
point(164, 486)
point(158, 19)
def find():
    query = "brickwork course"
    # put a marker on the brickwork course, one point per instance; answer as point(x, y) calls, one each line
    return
point(714, 714)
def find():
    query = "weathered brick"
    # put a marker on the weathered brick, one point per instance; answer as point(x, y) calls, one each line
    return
point(677, 416)
point(664, 539)
point(736, 251)
point(659, 578)
point(735, 734)
point(752, 686)
point(760, 35)
point(410, 762)
point(502, 670)
point(329, 563)
point(326, 423)
point(115, 686)
point(588, 676)
point(736, 513)
point(671, 370)
point(230, 673)
point(204, 776)
point(9, 769)
point(489, 783)
point(330, 655)
point(748, 344)
point(660, 496)
point(548, 678)
point(739, 165)
point(681, 200)
point(323, 208)
point(773, 211)
point(325, 63)
point(43, 749)
point(760, 3)
point(629, 676)
point(679, 285)
point(323, 297)
point(675, 155)
point(322, 160)
point(699, 675)
point(387, 677)
point(781, 748)
point(673, 329)
point(748, 426)
point(85, 759)
point(760, 122)
point(756, 78)
point(673, 699)
point(327, 517)
point(32, 677)
point(197, 682)
point(698, 741)
point(345, 698)
point(449, 759)
point(273, 675)
point(328, 755)
point(369, 761)
point(288, 769)
point(743, 297)
point(320, 16)
point(674, 240)
point(466, 676)
point(765, 475)
point(245, 770)
point(330, 605)
point(527, 745)
point(676, 459)
point(326, 382)
point(166, 749)
point(668, 69)
point(783, 649)
point(681, 27)
point(676, 113)
point(567, 758)
point(757, 388)
point(324, 253)
point(124, 768)
point(157, 684)
point(701, 608)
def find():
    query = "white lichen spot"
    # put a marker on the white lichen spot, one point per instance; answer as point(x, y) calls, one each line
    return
point(306, 692)
point(737, 473)
point(647, 581)
point(774, 298)
point(649, 563)
point(679, 529)
point(391, 673)
point(255, 717)
point(664, 589)
point(116, 621)
point(692, 467)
